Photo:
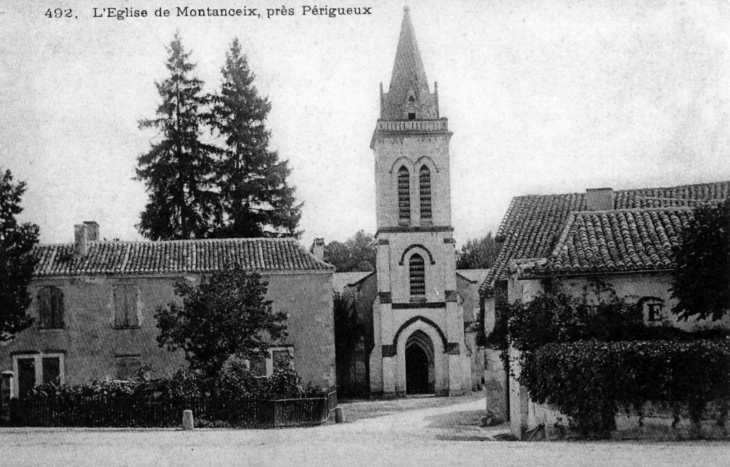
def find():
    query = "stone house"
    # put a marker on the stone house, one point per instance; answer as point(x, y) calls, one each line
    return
point(622, 238)
point(94, 303)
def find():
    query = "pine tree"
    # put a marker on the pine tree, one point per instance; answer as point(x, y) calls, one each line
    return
point(178, 170)
point(254, 195)
point(16, 259)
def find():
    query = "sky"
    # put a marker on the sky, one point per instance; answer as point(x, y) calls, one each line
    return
point(550, 96)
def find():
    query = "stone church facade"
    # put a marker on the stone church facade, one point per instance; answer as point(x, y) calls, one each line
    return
point(417, 318)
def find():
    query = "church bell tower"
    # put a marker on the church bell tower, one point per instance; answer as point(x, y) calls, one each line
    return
point(418, 323)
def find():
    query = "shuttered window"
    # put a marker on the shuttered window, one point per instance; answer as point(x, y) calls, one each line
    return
point(404, 194)
point(51, 370)
point(128, 365)
point(125, 306)
point(417, 270)
point(424, 189)
point(50, 308)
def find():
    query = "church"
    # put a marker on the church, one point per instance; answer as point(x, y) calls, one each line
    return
point(419, 313)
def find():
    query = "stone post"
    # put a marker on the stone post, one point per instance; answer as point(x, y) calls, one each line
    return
point(188, 423)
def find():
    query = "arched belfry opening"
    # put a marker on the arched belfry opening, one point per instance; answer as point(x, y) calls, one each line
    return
point(420, 378)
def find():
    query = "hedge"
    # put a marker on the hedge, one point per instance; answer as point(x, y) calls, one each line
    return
point(590, 380)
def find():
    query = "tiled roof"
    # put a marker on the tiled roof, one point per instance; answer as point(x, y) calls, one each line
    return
point(178, 256)
point(532, 224)
point(618, 241)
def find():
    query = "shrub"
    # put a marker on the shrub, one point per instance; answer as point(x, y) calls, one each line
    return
point(588, 381)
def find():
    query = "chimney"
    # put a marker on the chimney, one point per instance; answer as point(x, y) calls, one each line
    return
point(317, 248)
point(81, 241)
point(599, 199)
point(92, 231)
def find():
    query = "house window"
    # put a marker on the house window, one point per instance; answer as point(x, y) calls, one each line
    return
point(33, 369)
point(417, 271)
point(50, 308)
point(411, 115)
point(404, 194)
point(125, 307)
point(128, 365)
point(424, 185)
point(265, 365)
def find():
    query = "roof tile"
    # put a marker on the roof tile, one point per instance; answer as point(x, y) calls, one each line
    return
point(177, 256)
point(533, 225)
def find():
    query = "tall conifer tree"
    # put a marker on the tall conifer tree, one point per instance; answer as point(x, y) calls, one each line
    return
point(16, 259)
point(254, 195)
point(178, 169)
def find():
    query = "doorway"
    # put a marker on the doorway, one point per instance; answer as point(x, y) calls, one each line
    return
point(419, 364)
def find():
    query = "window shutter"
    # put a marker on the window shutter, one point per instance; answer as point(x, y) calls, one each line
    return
point(50, 307)
point(417, 270)
point(119, 307)
point(125, 306)
point(127, 367)
point(130, 299)
point(424, 182)
point(56, 308)
point(44, 307)
point(404, 194)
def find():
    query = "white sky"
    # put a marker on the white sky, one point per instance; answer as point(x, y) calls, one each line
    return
point(542, 97)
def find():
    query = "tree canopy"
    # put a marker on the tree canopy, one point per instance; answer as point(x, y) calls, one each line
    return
point(211, 173)
point(177, 170)
point(701, 279)
point(16, 260)
point(226, 315)
point(357, 253)
point(478, 253)
point(255, 197)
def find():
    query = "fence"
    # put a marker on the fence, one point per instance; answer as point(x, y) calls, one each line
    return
point(127, 411)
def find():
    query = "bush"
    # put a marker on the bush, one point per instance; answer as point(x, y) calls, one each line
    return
point(588, 381)
point(235, 382)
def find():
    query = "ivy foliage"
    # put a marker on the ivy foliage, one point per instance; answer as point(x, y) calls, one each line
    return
point(590, 380)
point(592, 354)
point(702, 264)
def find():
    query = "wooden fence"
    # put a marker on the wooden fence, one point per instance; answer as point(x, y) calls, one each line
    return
point(127, 411)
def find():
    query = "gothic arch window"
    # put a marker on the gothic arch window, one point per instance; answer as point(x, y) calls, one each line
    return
point(50, 308)
point(404, 194)
point(417, 273)
point(424, 187)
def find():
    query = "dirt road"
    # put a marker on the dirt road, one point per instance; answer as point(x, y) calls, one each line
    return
point(441, 436)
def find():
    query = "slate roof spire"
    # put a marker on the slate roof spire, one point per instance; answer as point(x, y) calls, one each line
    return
point(408, 97)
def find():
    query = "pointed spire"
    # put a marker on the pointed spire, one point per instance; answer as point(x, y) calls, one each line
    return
point(408, 96)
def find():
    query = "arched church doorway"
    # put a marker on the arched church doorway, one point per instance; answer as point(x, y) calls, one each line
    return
point(419, 364)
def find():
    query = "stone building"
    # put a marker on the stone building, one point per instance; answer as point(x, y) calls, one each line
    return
point(94, 303)
point(622, 238)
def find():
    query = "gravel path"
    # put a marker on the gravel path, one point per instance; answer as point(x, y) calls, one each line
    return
point(441, 436)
